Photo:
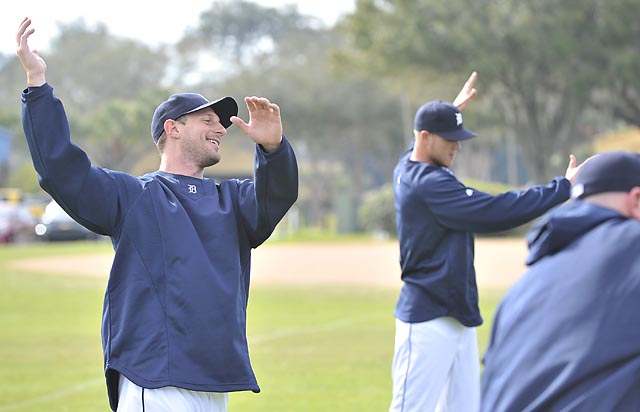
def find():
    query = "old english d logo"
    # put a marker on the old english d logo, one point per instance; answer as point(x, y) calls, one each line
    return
point(193, 190)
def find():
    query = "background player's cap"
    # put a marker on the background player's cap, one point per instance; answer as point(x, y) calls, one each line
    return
point(443, 119)
point(184, 103)
point(614, 171)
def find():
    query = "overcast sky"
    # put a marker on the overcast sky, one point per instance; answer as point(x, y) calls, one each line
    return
point(153, 22)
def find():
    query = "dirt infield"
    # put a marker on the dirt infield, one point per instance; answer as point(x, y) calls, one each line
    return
point(498, 263)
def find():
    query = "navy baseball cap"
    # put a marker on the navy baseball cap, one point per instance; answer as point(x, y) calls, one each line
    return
point(184, 103)
point(614, 171)
point(443, 119)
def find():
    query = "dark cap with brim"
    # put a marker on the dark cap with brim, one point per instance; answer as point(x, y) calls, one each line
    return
point(442, 118)
point(184, 103)
point(614, 171)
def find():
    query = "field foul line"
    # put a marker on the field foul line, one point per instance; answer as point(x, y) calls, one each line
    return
point(286, 332)
point(56, 395)
point(281, 333)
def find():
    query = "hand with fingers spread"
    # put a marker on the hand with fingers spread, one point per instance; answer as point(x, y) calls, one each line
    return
point(265, 123)
point(467, 93)
point(33, 64)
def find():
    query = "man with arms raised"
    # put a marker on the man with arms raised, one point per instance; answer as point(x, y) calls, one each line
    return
point(174, 320)
point(436, 361)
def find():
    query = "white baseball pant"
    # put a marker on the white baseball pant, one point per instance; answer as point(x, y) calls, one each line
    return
point(133, 398)
point(435, 367)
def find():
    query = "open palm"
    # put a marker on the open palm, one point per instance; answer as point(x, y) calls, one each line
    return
point(33, 64)
point(265, 124)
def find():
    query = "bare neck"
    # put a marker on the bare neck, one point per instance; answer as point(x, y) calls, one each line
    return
point(610, 200)
point(420, 152)
point(178, 167)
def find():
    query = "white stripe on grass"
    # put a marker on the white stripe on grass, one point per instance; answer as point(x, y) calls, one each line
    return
point(302, 330)
point(52, 396)
point(277, 334)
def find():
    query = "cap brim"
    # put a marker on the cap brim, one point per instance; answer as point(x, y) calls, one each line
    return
point(457, 135)
point(225, 108)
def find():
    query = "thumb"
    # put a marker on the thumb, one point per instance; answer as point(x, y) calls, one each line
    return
point(240, 124)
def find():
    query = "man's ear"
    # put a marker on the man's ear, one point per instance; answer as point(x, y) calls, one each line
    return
point(423, 135)
point(171, 128)
point(633, 203)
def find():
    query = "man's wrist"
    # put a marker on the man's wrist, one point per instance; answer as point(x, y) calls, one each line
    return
point(270, 148)
point(36, 80)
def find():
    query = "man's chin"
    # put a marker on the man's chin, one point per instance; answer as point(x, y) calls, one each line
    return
point(212, 161)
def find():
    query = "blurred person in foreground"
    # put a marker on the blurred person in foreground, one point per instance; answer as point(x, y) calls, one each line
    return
point(566, 336)
point(174, 319)
point(436, 365)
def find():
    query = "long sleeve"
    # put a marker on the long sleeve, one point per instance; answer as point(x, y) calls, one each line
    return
point(90, 194)
point(264, 203)
point(465, 209)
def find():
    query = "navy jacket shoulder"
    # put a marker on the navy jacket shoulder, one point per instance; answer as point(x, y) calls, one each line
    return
point(566, 336)
point(437, 217)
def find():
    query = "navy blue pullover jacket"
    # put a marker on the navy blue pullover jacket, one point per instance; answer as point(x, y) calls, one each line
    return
point(566, 337)
point(436, 218)
point(175, 305)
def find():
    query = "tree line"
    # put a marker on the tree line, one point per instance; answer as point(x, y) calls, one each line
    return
point(552, 75)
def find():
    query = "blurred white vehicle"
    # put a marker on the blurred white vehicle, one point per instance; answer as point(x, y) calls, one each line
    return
point(56, 224)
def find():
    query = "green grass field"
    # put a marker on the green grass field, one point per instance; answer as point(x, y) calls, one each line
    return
point(313, 348)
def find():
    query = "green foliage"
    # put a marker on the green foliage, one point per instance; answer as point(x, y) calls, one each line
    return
point(541, 63)
point(618, 29)
point(25, 178)
point(552, 74)
point(377, 212)
point(12, 82)
point(319, 235)
point(493, 188)
point(117, 134)
point(342, 127)
point(109, 86)
point(89, 67)
point(241, 28)
point(339, 126)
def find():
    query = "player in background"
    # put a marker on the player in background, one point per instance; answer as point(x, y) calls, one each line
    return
point(436, 361)
point(566, 336)
point(174, 319)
